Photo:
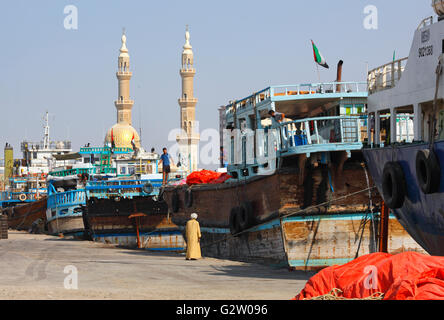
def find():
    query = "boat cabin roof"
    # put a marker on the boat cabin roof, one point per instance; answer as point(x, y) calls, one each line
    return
point(297, 101)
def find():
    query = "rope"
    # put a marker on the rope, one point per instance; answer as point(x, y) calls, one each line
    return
point(364, 220)
point(336, 294)
point(330, 196)
point(292, 214)
point(435, 102)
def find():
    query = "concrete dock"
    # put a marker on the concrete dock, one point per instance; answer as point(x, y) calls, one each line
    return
point(45, 267)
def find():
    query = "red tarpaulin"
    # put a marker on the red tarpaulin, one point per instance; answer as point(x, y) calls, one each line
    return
point(405, 276)
point(207, 176)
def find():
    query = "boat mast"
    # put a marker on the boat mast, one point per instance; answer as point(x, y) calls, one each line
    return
point(46, 136)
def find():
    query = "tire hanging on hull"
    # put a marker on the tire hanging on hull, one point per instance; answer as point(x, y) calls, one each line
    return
point(393, 185)
point(241, 218)
point(189, 198)
point(175, 202)
point(428, 171)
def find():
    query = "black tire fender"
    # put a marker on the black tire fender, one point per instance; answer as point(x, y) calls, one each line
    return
point(175, 201)
point(189, 198)
point(160, 197)
point(234, 225)
point(394, 188)
point(428, 171)
point(245, 218)
point(148, 188)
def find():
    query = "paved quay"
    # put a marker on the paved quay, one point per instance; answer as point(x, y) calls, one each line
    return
point(33, 267)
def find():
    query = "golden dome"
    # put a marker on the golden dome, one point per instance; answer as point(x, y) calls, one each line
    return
point(123, 134)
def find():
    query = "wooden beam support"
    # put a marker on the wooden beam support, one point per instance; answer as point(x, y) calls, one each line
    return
point(383, 228)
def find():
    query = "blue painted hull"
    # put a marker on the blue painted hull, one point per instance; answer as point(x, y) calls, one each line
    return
point(422, 215)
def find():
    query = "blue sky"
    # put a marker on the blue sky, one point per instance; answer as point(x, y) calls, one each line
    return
point(239, 47)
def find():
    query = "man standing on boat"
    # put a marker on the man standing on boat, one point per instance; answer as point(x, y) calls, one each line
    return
point(192, 233)
point(165, 160)
point(277, 116)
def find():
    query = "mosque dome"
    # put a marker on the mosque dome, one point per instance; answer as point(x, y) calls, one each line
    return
point(122, 133)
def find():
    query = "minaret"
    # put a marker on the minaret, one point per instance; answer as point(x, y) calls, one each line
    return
point(123, 103)
point(189, 139)
point(122, 134)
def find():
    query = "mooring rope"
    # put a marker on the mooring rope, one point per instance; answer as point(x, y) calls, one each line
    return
point(292, 214)
point(336, 294)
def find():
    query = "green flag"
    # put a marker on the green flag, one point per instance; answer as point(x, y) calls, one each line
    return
point(319, 59)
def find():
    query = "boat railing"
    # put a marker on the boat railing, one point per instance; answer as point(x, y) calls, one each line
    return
point(308, 90)
point(77, 171)
point(67, 198)
point(425, 23)
point(257, 98)
point(318, 88)
point(321, 133)
point(119, 187)
point(35, 146)
point(71, 172)
point(9, 196)
point(104, 150)
point(386, 76)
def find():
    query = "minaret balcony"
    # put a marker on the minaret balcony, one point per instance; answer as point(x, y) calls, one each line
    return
point(187, 71)
point(187, 100)
point(124, 102)
point(124, 74)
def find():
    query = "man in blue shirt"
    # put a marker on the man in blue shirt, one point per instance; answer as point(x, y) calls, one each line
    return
point(165, 160)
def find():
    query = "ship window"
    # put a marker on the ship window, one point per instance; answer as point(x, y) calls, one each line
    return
point(242, 124)
point(123, 170)
point(232, 150)
point(359, 108)
point(347, 109)
point(384, 127)
point(441, 125)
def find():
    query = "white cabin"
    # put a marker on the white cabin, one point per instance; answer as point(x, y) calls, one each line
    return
point(401, 93)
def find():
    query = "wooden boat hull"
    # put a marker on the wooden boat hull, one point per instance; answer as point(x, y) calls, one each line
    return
point(3, 226)
point(108, 221)
point(22, 216)
point(291, 222)
point(306, 242)
point(69, 226)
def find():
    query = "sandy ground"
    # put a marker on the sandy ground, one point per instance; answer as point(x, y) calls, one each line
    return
point(32, 267)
